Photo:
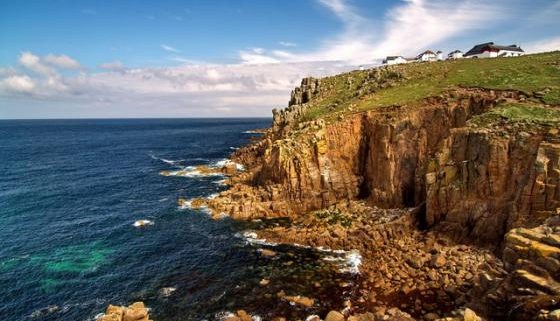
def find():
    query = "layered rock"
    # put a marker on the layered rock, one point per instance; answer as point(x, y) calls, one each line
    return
point(484, 182)
point(528, 285)
point(381, 155)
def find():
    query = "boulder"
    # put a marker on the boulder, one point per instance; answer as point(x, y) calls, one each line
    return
point(334, 316)
point(437, 261)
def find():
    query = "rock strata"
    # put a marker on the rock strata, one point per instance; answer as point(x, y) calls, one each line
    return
point(527, 285)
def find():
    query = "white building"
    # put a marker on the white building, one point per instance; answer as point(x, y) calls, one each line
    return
point(490, 50)
point(394, 60)
point(457, 54)
point(439, 55)
point(427, 55)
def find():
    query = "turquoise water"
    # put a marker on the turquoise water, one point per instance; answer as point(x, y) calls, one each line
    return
point(70, 191)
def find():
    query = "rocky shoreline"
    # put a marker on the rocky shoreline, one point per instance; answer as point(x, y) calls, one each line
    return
point(426, 193)
point(454, 208)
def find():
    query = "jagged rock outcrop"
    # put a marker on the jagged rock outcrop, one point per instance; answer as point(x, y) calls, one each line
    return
point(308, 89)
point(134, 312)
point(528, 285)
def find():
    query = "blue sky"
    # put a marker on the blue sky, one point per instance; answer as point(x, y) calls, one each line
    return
point(73, 59)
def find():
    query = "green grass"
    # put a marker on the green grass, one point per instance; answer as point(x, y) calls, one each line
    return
point(521, 112)
point(334, 217)
point(529, 74)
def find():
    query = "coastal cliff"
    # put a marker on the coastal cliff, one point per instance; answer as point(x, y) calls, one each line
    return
point(412, 166)
point(444, 176)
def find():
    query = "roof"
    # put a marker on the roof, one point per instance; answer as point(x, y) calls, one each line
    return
point(455, 51)
point(478, 49)
point(427, 52)
point(393, 57)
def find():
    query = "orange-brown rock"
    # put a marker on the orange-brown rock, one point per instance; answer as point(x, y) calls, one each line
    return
point(529, 281)
point(134, 312)
point(396, 157)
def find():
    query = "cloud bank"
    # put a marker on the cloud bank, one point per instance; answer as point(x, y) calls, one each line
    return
point(262, 77)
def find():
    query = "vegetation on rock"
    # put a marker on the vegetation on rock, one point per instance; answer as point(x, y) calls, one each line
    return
point(537, 76)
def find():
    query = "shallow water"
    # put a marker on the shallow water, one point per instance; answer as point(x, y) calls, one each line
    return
point(70, 192)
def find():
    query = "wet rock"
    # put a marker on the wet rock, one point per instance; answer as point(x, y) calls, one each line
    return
point(167, 291)
point(267, 252)
point(301, 300)
point(135, 312)
point(244, 316)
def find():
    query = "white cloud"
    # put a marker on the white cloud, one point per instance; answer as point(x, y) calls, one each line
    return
point(169, 48)
point(8, 71)
point(47, 65)
point(408, 28)
point(18, 84)
point(420, 24)
point(257, 56)
point(62, 61)
point(33, 63)
point(545, 45)
point(196, 89)
point(263, 77)
point(113, 66)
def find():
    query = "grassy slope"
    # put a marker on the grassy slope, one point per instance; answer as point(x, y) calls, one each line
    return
point(532, 73)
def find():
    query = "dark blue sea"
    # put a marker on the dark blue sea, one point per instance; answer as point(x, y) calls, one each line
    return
point(70, 192)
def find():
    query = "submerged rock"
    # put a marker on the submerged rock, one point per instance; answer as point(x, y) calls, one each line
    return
point(300, 300)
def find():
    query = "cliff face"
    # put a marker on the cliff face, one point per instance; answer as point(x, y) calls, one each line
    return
point(475, 182)
point(482, 184)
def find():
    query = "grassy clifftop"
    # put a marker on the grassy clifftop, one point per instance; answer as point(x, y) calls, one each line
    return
point(536, 75)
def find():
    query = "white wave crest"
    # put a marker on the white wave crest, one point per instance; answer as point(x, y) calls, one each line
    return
point(221, 182)
point(142, 223)
point(167, 161)
point(226, 162)
point(251, 238)
point(189, 171)
point(185, 205)
point(353, 262)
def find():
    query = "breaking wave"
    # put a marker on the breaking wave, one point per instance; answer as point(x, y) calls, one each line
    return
point(167, 161)
point(189, 171)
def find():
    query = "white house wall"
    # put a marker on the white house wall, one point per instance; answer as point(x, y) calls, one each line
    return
point(508, 53)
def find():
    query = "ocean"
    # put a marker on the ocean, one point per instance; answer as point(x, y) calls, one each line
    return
point(71, 191)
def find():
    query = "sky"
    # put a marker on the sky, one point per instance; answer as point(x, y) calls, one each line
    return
point(226, 58)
